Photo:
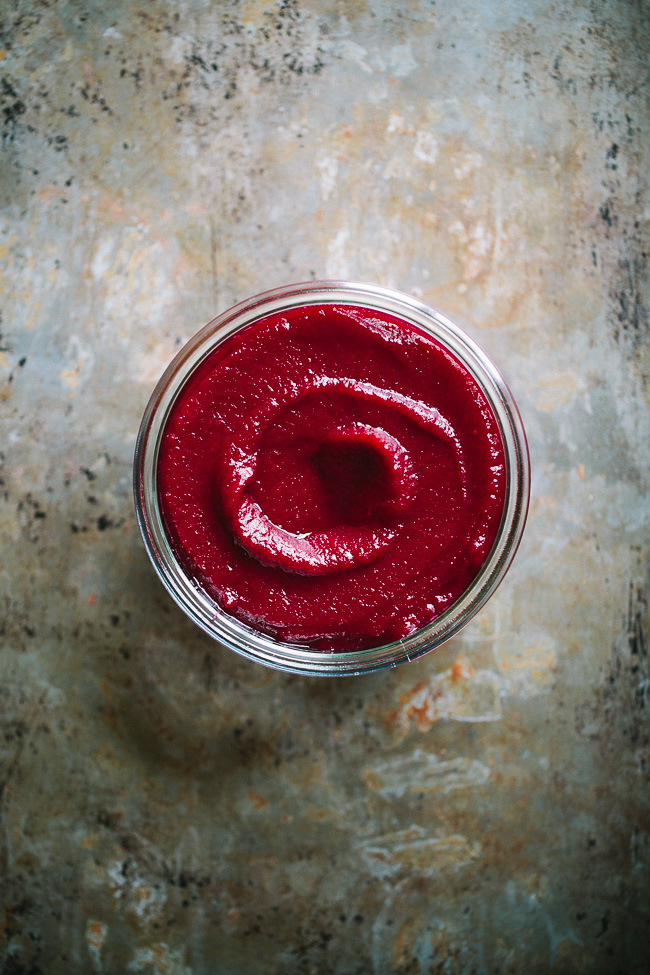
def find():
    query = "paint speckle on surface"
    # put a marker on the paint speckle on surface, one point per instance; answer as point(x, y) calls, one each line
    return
point(424, 772)
point(416, 851)
point(460, 694)
point(159, 960)
point(426, 147)
point(96, 932)
point(165, 806)
point(328, 169)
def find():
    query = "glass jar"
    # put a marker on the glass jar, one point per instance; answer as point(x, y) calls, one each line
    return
point(258, 646)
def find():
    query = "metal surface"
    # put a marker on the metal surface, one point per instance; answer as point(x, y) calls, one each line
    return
point(168, 807)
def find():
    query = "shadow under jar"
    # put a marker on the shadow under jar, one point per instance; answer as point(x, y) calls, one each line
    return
point(331, 478)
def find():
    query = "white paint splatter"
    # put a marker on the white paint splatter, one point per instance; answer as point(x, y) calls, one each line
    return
point(146, 900)
point(329, 168)
point(417, 851)
point(115, 873)
point(423, 772)
point(103, 258)
point(426, 146)
point(476, 241)
point(141, 898)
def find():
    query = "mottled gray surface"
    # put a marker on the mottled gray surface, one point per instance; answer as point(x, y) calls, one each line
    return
point(166, 807)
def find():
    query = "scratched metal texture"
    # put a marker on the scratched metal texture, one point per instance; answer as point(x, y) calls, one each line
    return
point(167, 807)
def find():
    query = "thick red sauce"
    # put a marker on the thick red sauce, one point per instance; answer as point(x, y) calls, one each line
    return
point(332, 476)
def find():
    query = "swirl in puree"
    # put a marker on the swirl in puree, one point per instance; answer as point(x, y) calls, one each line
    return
point(332, 476)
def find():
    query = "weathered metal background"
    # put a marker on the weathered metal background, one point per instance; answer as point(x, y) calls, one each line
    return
point(167, 807)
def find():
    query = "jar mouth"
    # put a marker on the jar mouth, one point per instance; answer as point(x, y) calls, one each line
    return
point(187, 590)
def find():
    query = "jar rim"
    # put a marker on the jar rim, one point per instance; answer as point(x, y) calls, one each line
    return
point(188, 592)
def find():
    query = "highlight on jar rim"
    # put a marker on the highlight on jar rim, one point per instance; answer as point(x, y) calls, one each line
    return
point(331, 478)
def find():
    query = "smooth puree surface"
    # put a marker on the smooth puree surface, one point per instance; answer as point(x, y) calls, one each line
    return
point(332, 476)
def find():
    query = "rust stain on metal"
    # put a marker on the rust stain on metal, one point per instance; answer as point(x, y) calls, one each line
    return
point(258, 800)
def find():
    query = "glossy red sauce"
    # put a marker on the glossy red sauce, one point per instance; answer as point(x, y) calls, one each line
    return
point(332, 476)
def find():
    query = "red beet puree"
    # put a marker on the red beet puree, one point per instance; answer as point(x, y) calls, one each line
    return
point(332, 476)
